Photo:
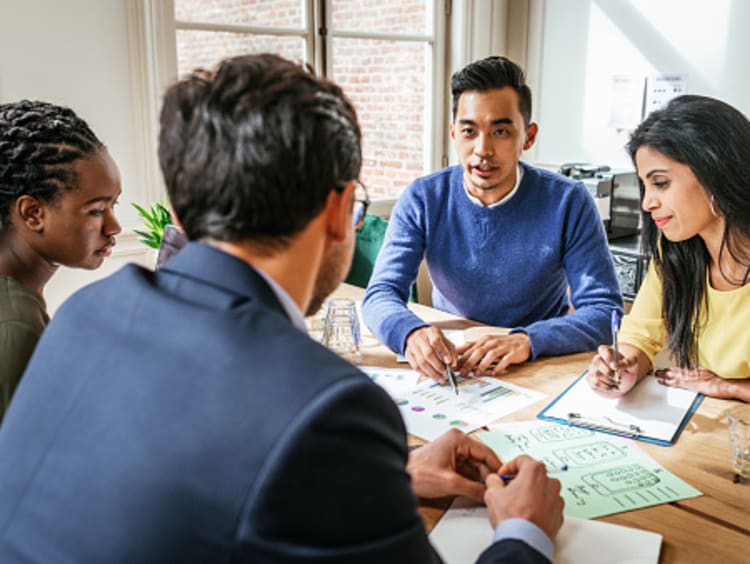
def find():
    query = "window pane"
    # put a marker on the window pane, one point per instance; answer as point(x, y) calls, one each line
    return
point(267, 13)
point(385, 16)
point(206, 48)
point(387, 82)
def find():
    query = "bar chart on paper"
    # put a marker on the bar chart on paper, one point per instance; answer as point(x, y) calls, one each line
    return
point(429, 409)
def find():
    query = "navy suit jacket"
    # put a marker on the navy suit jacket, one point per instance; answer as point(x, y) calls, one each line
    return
point(178, 416)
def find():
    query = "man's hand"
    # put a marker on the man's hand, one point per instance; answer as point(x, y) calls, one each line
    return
point(428, 351)
point(498, 350)
point(532, 495)
point(453, 464)
point(601, 374)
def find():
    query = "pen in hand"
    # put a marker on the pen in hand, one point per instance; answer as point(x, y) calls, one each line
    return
point(452, 378)
point(615, 329)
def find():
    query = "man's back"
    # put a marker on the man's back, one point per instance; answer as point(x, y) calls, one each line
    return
point(188, 420)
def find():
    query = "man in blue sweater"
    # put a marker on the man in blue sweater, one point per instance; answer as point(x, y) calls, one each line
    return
point(503, 242)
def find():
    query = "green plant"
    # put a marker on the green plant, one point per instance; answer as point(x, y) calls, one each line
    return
point(154, 219)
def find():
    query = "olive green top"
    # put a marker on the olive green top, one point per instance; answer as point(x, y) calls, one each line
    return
point(23, 317)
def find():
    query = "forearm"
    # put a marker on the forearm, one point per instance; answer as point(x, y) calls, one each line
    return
point(736, 389)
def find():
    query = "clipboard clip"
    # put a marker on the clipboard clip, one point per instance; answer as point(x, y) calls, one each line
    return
point(605, 424)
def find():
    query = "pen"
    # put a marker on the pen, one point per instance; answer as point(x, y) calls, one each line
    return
point(508, 477)
point(452, 378)
point(615, 328)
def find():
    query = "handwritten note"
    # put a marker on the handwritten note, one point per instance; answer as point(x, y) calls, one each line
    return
point(604, 474)
point(429, 409)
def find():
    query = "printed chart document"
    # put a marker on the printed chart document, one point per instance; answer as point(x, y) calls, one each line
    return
point(600, 474)
point(649, 412)
point(429, 409)
point(465, 531)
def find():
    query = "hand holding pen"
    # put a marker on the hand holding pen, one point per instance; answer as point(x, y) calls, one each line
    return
point(615, 326)
point(531, 494)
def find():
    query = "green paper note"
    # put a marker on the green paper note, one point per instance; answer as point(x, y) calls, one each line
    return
point(604, 475)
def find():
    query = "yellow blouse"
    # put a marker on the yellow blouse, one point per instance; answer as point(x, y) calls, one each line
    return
point(724, 341)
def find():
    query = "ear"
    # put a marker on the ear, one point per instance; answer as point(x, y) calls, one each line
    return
point(531, 132)
point(339, 212)
point(30, 212)
point(453, 130)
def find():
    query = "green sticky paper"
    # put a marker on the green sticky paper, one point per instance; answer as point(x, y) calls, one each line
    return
point(604, 475)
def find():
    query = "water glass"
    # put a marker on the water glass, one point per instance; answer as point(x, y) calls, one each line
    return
point(341, 332)
point(739, 438)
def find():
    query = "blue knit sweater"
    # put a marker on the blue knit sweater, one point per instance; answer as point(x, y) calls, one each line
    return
point(508, 265)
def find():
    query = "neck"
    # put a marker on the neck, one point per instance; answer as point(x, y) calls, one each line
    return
point(20, 261)
point(293, 267)
point(489, 196)
point(726, 272)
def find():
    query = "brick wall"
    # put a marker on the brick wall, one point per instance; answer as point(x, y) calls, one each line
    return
point(386, 80)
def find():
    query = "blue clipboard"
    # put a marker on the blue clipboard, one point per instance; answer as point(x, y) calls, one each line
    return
point(618, 421)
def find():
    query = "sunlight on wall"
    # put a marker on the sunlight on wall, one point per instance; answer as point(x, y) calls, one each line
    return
point(586, 42)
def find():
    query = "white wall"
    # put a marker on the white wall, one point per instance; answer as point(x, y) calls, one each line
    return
point(77, 53)
point(585, 42)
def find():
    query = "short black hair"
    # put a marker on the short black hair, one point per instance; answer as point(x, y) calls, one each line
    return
point(251, 150)
point(491, 73)
point(39, 142)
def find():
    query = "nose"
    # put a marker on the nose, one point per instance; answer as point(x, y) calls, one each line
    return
point(111, 225)
point(483, 146)
point(650, 201)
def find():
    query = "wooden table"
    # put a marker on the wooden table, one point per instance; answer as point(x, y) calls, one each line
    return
point(712, 528)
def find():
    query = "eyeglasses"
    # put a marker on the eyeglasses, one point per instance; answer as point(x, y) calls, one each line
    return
point(361, 203)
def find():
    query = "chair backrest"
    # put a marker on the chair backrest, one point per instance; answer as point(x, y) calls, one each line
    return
point(369, 240)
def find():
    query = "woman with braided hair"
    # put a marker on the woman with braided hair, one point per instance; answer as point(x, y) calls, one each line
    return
point(58, 187)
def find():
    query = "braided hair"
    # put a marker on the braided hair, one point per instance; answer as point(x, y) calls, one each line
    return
point(38, 144)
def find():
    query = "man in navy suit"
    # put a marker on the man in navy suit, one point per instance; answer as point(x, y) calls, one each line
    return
point(184, 415)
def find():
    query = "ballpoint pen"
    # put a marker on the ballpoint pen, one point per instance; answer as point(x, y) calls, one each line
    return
point(452, 378)
point(615, 328)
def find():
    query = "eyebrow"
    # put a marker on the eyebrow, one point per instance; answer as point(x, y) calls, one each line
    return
point(498, 121)
point(101, 199)
point(655, 171)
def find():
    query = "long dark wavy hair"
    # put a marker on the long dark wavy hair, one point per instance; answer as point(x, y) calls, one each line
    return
point(713, 139)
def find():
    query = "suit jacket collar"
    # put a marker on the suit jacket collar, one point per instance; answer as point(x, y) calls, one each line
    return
point(214, 267)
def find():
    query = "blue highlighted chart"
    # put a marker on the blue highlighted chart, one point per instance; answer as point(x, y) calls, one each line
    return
point(430, 409)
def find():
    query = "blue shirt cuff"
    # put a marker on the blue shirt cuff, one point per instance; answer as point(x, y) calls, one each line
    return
point(526, 531)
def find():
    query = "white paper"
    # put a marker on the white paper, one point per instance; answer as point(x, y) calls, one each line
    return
point(430, 409)
point(464, 533)
point(656, 410)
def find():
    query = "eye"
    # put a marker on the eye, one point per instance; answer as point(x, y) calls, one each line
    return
point(500, 131)
point(661, 184)
point(96, 212)
point(467, 131)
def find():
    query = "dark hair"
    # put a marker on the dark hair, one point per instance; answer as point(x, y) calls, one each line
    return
point(713, 139)
point(491, 73)
point(38, 144)
point(252, 150)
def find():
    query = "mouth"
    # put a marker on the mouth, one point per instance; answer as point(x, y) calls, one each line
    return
point(105, 251)
point(483, 171)
point(660, 222)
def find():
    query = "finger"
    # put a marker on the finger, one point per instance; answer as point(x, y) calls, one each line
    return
point(470, 363)
point(421, 364)
point(468, 488)
point(503, 364)
point(491, 357)
point(482, 455)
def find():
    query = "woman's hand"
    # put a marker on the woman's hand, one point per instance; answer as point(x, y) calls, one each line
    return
point(632, 366)
point(700, 380)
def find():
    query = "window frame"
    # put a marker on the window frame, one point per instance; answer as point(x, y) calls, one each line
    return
point(464, 30)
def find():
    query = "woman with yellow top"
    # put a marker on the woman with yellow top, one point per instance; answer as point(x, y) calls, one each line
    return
point(693, 161)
